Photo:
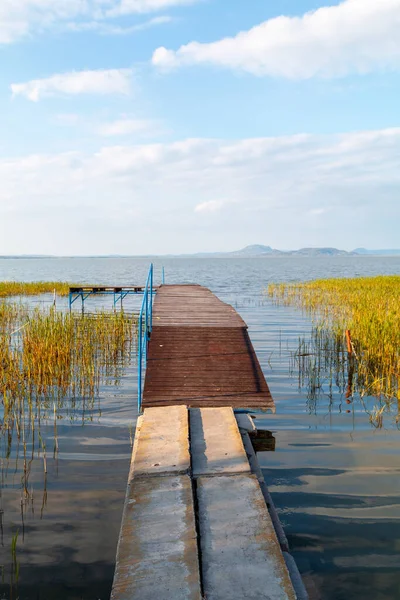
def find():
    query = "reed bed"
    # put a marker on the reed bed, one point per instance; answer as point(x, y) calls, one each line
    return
point(369, 309)
point(35, 288)
point(53, 363)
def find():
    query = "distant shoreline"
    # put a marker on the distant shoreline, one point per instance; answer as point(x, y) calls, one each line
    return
point(245, 253)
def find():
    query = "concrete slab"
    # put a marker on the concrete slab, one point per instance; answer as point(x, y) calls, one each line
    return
point(241, 557)
point(215, 442)
point(157, 554)
point(162, 443)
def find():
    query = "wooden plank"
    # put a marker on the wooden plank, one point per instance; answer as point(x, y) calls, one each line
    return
point(200, 354)
point(188, 305)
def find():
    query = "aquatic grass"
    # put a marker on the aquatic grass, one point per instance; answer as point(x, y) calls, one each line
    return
point(52, 365)
point(55, 354)
point(369, 310)
point(35, 288)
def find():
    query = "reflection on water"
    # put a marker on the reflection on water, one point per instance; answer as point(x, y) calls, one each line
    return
point(324, 370)
point(334, 478)
point(68, 529)
point(338, 496)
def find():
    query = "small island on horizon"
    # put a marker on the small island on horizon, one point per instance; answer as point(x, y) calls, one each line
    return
point(251, 251)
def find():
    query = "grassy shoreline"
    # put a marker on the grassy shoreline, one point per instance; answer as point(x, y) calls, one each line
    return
point(369, 308)
point(34, 288)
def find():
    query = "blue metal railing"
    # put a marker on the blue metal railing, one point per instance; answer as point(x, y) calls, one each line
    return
point(144, 330)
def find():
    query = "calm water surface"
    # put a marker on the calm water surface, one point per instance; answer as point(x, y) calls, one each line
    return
point(335, 479)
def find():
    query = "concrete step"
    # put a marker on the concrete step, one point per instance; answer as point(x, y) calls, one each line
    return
point(215, 442)
point(162, 446)
point(157, 552)
point(241, 556)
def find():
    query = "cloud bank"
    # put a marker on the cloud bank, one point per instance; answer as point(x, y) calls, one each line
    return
point(284, 191)
point(356, 36)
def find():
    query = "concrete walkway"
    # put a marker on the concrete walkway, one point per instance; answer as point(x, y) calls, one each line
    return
point(157, 556)
point(195, 521)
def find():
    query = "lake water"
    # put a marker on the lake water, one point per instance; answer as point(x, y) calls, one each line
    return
point(335, 479)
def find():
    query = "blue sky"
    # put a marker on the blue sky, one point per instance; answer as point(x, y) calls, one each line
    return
point(158, 126)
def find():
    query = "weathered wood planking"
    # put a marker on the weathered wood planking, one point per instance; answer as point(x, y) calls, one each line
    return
point(200, 354)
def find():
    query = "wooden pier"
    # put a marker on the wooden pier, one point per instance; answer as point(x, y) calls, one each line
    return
point(200, 354)
point(117, 292)
point(198, 522)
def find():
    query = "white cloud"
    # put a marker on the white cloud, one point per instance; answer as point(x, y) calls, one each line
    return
point(126, 126)
point(18, 18)
point(107, 29)
point(124, 7)
point(210, 206)
point(143, 198)
point(113, 81)
point(21, 18)
point(356, 36)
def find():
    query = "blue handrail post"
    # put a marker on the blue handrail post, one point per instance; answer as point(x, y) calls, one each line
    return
point(140, 364)
point(151, 298)
point(146, 311)
point(163, 276)
point(146, 327)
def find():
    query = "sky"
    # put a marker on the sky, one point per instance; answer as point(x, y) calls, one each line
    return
point(177, 126)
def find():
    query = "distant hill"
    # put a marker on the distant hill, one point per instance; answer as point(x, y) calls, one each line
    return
point(254, 250)
point(257, 250)
point(365, 251)
point(321, 252)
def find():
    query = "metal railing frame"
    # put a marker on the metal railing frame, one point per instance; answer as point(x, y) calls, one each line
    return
point(144, 330)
